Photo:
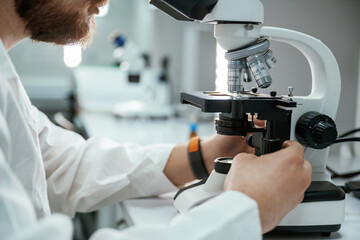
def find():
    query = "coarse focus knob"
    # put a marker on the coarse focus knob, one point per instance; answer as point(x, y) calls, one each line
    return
point(316, 130)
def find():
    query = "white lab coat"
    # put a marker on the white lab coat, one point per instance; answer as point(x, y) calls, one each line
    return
point(45, 169)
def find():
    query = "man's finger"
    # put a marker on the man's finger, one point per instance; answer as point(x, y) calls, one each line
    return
point(308, 168)
point(295, 146)
point(243, 157)
point(259, 123)
point(288, 148)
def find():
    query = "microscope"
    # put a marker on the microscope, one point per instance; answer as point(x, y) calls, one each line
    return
point(306, 119)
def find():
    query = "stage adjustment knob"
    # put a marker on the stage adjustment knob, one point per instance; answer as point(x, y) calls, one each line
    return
point(316, 130)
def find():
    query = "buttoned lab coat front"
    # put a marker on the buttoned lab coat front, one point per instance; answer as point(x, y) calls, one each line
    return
point(47, 174)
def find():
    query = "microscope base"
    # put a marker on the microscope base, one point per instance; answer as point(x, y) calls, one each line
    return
point(317, 217)
point(325, 230)
point(322, 210)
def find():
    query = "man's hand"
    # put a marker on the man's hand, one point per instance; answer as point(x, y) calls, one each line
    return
point(225, 146)
point(276, 181)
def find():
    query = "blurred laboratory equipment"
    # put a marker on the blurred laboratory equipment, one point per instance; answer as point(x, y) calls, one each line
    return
point(110, 89)
point(128, 55)
point(193, 129)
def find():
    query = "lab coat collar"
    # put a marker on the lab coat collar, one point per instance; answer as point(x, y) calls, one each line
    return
point(7, 69)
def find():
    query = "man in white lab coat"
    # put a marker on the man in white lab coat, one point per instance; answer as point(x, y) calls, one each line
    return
point(46, 170)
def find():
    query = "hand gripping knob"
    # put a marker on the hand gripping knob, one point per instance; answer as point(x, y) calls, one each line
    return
point(315, 130)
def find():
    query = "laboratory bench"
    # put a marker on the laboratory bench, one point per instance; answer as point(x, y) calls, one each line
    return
point(142, 131)
point(160, 209)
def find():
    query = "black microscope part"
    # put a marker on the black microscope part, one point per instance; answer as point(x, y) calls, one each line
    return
point(316, 130)
point(222, 165)
point(216, 102)
point(235, 126)
point(185, 10)
point(273, 93)
point(353, 186)
point(233, 119)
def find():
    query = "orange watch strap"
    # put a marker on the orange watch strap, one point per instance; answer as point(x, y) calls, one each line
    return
point(196, 160)
point(194, 144)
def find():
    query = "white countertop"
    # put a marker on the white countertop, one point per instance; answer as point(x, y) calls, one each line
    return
point(142, 131)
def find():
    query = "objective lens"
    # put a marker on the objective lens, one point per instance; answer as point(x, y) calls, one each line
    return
point(270, 60)
point(236, 72)
point(258, 70)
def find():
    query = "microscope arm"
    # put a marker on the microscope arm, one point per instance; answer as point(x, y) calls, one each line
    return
point(326, 80)
point(326, 85)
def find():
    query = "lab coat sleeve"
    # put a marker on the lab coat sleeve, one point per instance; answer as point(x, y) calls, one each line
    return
point(86, 175)
point(231, 215)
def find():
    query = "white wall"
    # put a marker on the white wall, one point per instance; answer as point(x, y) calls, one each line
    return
point(337, 24)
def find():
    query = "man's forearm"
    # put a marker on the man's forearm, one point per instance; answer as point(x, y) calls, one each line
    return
point(178, 169)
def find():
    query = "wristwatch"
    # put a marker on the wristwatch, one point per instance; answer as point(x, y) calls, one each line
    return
point(196, 160)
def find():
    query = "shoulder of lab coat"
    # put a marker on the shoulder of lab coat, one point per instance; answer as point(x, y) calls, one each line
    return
point(86, 175)
point(18, 218)
point(231, 215)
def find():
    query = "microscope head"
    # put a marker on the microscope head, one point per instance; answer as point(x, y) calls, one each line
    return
point(236, 21)
point(237, 29)
point(213, 11)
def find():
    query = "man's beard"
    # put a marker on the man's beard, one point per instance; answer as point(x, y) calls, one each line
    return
point(54, 22)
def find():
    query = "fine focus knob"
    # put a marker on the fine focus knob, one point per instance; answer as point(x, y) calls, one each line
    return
point(316, 130)
point(325, 133)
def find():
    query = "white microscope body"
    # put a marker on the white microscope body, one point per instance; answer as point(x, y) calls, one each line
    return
point(237, 23)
